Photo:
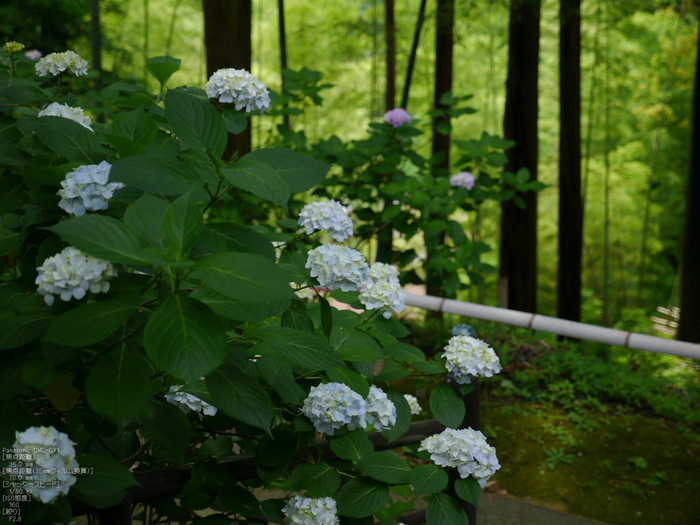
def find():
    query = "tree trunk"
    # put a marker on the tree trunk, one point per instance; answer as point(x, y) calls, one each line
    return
point(570, 210)
point(518, 256)
point(412, 58)
point(283, 53)
point(444, 39)
point(96, 43)
point(689, 325)
point(390, 28)
point(227, 37)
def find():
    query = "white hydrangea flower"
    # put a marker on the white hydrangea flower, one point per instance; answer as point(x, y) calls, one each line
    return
point(53, 452)
point(381, 411)
point(330, 406)
point(465, 449)
point(413, 404)
point(72, 273)
point(384, 272)
point(63, 110)
point(57, 63)
point(469, 356)
point(87, 188)
point(301, 510)
point(239, 87)
point(326, 215)
point(383, 295)
point(189, 403)
point(337, 266)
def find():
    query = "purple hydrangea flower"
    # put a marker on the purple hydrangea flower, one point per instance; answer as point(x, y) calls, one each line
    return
point(397, 117)
point(464, 179)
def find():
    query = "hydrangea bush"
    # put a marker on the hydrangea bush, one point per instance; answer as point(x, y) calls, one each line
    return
point(139, 331)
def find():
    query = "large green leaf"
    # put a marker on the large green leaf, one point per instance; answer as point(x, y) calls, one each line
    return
point(69, 140)
point(155, 174)
point(447, 406)
point(468, 489)
point(238, 499)
point(296, 317)
point(225, 237)
point(362, 497)
point(239, 310)
point(445, 510)
point(405, 352)
point(136, 129)
point(119, 384)
point(301, 348)
point(182, 222)
point(184, 338)
point(348, 377)
point(105, 485)
point(11, 155)
point(89, 323)
point(169, 427)
point(318, 479)
point(297, 170)
point(244, 275)
point(196, 122)
point(22, 329)
point(353, 445)
point(240, 396)
point(162, 68)
point(385, 466)
point(145, 217)
point(403, 416)
point(103, 237)
point(10, 240)
point(428, 479)
point(12, 193)
point(278, 374)
point(259, 179)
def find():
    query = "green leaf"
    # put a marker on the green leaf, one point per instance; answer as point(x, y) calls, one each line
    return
point(155, 174)
point(318, 479)
point(239, 310)
point(238, 499)
point(404, 352)
point(302, 349)
point(182, 221)
point(353, 445)
point(298, 171)
point(385, 466)
point(137, 127)
point(239, 275)
point(103, 237)
point(360, 353)
point(348, 377)
point(162, 68)
point(447, 406)
point(362, 497)
point(403, 416)
point(235, 121)
point(12, 156)
point(468, 489)
point(119, 384)
point(224, 237)
point(197, 494)
point(184, 338)
point(445, 510)
point(297, 318)
point(19, 330)
point(428, 479)
point(10, 240)
point(259, 179)
point(69, 140)
point(196, 122)
point(278, 374)
point(431, 367)
point(12, 193)
point(326, 317)
point(89, 323)
point(106, 484)
point(145, 217)
point(240, 396)
point(392, 371)
point(169, 427)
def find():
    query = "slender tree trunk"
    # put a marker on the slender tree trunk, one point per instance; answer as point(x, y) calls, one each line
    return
point(570, 214)
point(412, 58)
point(518, 256)
point(96, 43)
point(390, 28)
point(689, 324)
point(606, 204)
point(283, 52)
point(146, 30)
point(444, 39)
point(227, 36)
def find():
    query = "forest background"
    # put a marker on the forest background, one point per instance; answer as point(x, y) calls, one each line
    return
point(638, 60)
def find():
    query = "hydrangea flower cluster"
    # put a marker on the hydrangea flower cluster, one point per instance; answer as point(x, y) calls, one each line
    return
point(300, 510)
point(381, 411)
point(72, 273)
point(189, 403)
point(53, 452)
point(397, 117)
point(57, 63)
point(33, 54)
point(327, 215)
point(465, 449)
point(338, 266)
point(467, 356)
point(12, 47)
point(64, 110)
point(330, 406)
point(383, 295)
point(87, 188)
point(239, 87)
point(463, 179)
point(384, 272)
point(413, 404)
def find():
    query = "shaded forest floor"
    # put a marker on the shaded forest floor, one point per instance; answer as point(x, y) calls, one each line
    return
point(598, 431)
